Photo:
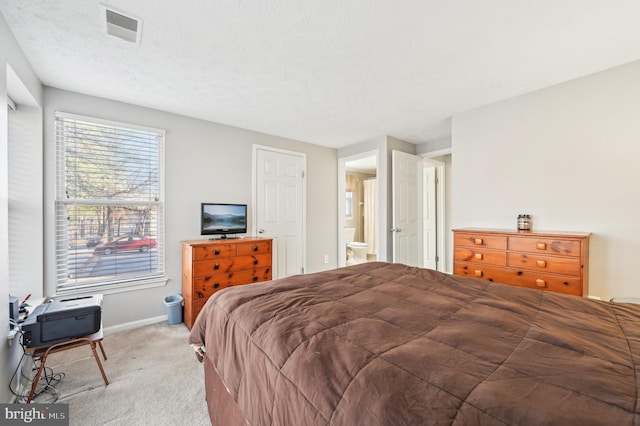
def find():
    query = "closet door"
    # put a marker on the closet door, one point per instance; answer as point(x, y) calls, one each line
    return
point(279, 207)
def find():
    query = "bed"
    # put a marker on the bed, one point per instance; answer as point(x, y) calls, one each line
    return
point(388, 344)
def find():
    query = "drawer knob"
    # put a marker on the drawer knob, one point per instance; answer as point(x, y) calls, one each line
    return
point(216, 252)
point(541, 246)
point(541, 263)
point(255, 278)
point(216, 266)
point(478, 256)
point(478, 273)
point(255, 261)
point(478, 241)
point(216, 285)
point(541, 283)
point(255, 248)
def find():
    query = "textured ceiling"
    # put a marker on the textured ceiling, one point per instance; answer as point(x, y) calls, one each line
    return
point(329, 72)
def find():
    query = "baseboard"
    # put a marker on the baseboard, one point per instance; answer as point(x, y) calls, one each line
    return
point(134, 324)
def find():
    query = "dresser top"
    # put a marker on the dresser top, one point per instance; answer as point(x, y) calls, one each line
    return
point(533, 233)
point(238, 240)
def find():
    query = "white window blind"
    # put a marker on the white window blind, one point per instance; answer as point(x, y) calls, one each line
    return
point(109, 203)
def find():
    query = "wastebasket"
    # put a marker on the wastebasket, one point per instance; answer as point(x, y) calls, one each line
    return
point(173, 304)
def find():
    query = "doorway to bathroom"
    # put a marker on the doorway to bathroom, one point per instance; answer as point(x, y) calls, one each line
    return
point(437, 242)
point(359, 209)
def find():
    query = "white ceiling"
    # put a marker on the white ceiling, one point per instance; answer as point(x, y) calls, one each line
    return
point(329, 72)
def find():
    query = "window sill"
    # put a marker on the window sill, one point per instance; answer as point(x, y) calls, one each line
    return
point(114, 288)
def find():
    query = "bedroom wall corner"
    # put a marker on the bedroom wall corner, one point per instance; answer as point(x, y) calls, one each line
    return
point(567, 155)
point(322, 187)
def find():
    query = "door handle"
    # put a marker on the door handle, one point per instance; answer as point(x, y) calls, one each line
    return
point(260, 231)
point(395, 230)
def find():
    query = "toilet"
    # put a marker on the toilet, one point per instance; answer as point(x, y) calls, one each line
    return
point(356, 251)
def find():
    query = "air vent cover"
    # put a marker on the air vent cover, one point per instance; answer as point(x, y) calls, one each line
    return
point(121, 25)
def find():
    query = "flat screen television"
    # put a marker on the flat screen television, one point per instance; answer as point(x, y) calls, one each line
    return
point(223, 219)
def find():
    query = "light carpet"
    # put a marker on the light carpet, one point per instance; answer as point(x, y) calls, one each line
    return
point(154, 379)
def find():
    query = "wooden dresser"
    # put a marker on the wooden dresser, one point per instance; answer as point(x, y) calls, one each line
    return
point(553, 261)
point(211, 265)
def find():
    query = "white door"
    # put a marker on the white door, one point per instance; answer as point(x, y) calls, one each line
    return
point(430, 222)
point(406, 185)
point(279, 207)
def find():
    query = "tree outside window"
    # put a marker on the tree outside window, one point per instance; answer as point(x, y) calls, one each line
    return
point(109, 185)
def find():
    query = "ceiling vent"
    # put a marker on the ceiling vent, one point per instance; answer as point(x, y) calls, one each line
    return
point(121, 25)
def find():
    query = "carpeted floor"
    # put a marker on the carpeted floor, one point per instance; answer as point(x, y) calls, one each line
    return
point(154, 379)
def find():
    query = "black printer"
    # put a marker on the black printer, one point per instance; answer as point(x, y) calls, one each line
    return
point(62, 318)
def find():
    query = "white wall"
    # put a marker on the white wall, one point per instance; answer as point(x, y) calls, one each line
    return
point(568, 155)
point(25, 199)
point(15, 71)
point(204, 162)
point(435, 147)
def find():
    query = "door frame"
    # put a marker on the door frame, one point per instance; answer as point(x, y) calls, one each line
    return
point(441, 225)
point(254, 202)
point(342, 172)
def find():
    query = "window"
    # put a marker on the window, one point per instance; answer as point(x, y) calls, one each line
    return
point(350, 187)
point(109, 204)
point(348, 211)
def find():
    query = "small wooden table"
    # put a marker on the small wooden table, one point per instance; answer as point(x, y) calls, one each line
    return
point(43, 352)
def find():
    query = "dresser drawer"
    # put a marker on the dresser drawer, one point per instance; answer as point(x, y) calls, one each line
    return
point(258, 275)
point(556, 265)
point(557, 283)
point(208, 267)
point(542, 281)
point(480, 240)
point(480, 256)
point(252, 262)
point(203, 287)
point(552, 246)
point(259, 247)
point(484, 272)
point(217, 266)
point(214, 252)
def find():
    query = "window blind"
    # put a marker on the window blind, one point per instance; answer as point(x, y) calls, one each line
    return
point(109, 203)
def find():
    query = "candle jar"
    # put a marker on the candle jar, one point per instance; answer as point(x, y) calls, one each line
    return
point(524, 222)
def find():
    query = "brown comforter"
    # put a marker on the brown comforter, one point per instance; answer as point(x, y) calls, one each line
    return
point(388, 344)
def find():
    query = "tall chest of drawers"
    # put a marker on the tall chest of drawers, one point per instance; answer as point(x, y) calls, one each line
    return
point(552, 261)
point(211, 265)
